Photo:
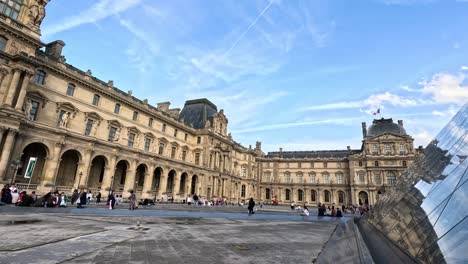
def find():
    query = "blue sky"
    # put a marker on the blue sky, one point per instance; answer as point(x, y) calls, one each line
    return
point(297, 74)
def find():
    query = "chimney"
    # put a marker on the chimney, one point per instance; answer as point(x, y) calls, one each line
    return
point(364, 129)
point(164, 106)
point(348, 148)
point(400, 122)
point(54, 49)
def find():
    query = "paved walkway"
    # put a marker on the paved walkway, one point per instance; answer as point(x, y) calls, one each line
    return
point(99, 235)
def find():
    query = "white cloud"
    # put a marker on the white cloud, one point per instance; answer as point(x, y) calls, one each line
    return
point(302, 145)
point(422, 138)
point(464, 68)
point(100, 10)
point(446, 88)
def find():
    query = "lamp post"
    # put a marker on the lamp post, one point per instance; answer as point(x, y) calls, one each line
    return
point(15, 165)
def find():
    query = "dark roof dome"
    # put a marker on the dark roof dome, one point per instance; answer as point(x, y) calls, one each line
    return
point(382, 126)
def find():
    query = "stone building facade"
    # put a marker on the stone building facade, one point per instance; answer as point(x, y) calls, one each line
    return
point(62, 128)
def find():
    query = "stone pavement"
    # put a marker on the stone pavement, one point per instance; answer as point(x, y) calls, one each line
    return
point(183, 235)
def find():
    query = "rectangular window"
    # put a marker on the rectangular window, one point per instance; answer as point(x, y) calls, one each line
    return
point(325, 165)
point(198, 140)
point(299, 165)
point(96, 100)
point(287, 164)
point(12, 9)
point(312, 178)
point(147, 144)
point(326, 179)
point(186, 136)
point(339, 179)
point(131, 139)
point(40, 77)
point(173, 152)
point(197, 158)
point(117, 108)
point(112, 132)
point(135, 116)
point(378, 179)
point(361, 178)
point(34, 110)
point(175, 132)
point(161, 149)
point(89, 127)
point(312, 165)
point(70, 89)
point(244, 171)
point(163, 127)
point(184, 155)
point(150, 122)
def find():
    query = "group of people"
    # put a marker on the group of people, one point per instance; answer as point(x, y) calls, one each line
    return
point(327, 211)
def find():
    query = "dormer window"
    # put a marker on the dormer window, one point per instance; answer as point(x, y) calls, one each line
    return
point(11, 8)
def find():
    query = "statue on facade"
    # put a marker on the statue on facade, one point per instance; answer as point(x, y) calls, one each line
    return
point(28, 108)
point(117, 135)
point(208, 124)
point(64, 120)
point(95, 127)
point(37, 12)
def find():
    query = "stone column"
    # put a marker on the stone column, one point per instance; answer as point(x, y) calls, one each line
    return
point(12, 88)
point(3, 73)
point(162, 184)
point(50, 168)
point(109, 172)
point(130, 180)
point(24, 87)
point(176, 187)
point(84, 167)
point(6, 152)
point(148, 184)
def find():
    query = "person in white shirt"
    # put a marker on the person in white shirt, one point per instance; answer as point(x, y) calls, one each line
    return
point(14, 196)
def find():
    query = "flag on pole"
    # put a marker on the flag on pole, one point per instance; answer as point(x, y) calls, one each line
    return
point(377, 112)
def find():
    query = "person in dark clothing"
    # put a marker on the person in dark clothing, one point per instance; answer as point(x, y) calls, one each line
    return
point(338, 212)
point(74, 196)
point(251, 206)
point(111, 200)
point(82, 200)
point(98, 198)
point(321, 210)
point(6, 194)
point(195, 199)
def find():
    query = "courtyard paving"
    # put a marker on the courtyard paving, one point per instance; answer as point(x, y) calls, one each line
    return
point(171, 234)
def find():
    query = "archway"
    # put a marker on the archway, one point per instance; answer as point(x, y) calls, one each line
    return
point(193, 184)
point(157, 178)
point(300, 195)
point(170, 181)
point(341, 197)
point(68, 167)
point(363, 198)
point(140, 176)
point(96, 172)
point(120, 175)
point(288, 195)
point(326, 193)
point(313, 195)
point(39, 152)
point(182, 183)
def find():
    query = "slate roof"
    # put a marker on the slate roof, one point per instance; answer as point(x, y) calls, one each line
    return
point(196, 112)
point(312, 154)
point(381, 126)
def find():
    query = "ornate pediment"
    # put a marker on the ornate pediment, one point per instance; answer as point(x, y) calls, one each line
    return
point(93, 115)
point(133, 129)
point(114, 123)
point(150, 135)
point(38, 96)
point(185, 147)
point(66, 106)
point(163, 140)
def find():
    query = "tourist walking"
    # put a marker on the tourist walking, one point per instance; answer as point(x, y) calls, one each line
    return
point(6, 194)
point(63, 200)
point(98, 197)
point(111, 200)
point(251, 206)
point(195, 199)
point(132, 200)
point(82, 199)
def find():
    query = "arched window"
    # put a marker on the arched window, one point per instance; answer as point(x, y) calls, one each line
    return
point(391, 178)
point(313, 195)
point(288, 194)
point(40, 77)
point(243, 190)
point(3, 42)
point(340, 197)
point(300, 195)
point(327, 196)
point(267, 193)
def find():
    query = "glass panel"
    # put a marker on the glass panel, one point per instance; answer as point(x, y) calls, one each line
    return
point(426, 212)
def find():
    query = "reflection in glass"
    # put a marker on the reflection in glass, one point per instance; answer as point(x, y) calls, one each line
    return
point(425, 214)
